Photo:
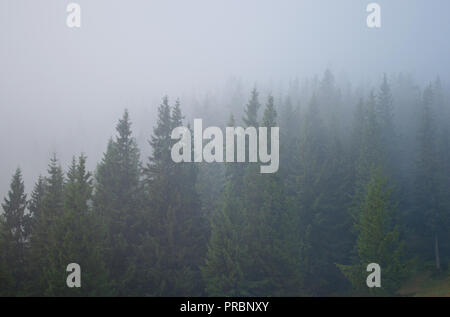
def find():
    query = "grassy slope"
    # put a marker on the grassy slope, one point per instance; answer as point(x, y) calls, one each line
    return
point(424, 285)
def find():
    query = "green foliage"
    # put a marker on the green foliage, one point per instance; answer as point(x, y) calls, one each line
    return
point(181, 229)
point(432, 216)
point(227, 257)
point(251, 110)
point(254, 250)
point(66, 231)
point(176, 230)
point(117, 201)
point(378, 242)
point(14, 238)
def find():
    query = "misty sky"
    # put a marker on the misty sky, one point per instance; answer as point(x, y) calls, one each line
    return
point(63, 89)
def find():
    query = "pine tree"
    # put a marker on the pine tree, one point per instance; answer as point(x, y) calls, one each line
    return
point(6, 278)
point(42, 241)
point(251, 110)
point(118, 200)
point(35, 204)
point(370, 151)
point(305, 183)
point(175, 243)
point(441, 107)
point(288, 142)
point(75, 236)
point(227, 258)
point(378, 241)
point(385, 109)
point(273, 243)
point(318, 186)
point(388, 137)
point(431, 213)
point(253, 249)
point(14, 235)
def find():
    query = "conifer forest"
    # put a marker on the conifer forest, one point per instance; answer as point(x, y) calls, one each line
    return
point(362, 181)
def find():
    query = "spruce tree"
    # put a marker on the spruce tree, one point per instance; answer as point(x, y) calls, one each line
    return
point(273, 242)
point(14, 236)
point(251, 110)
point(6, 278)
point(35, 204)
point(76, 236)
point(378, 241)
point(118, 200)
point(388, 136)
point(43, 242)
point(176, 226)
point(227, 259)
point(431, 215)
point(306, 183)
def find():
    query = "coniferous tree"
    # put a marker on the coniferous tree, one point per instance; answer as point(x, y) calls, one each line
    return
point(35, 204)
point(175, 243)
point(306, 192)
point(227, 258)
point(6, 279)
point(76, 236)
point(378, 241)
point(273, 244)
point(251, 110)
point(385, 111)
point(14, 236)
point(43, 242)
point(118, 202)
point(319, 193)
point(388, 139)
point(289, 120)
point(370, 156)
point(431, 212)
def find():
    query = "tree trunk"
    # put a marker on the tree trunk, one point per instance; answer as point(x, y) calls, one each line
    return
point(436, 252)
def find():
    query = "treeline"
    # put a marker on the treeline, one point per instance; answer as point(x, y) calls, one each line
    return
point(364, 178)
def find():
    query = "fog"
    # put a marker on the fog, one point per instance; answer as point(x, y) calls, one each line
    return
point(62, 90)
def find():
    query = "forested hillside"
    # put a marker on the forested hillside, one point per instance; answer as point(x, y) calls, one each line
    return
point(364, 177)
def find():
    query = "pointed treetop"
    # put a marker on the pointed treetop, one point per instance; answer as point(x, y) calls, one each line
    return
point(124, 127)
point(14, 206)
point(176, 115)
point(251, 110)
point(17, 188)
point(54, 170)
point(270, 114)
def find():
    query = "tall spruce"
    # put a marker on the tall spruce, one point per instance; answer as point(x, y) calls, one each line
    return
point(378, 241)
point(14, 236)
point(227, 259)
point(43, 241)
point(118, 201)
point(76, 236)
point(431, 215)
point(175, 243)
point(271, 234)
point(251, 110)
